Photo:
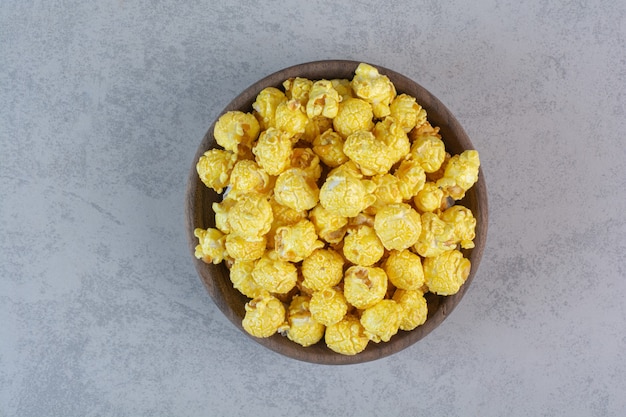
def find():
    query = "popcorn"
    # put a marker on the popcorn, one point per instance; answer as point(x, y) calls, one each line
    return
point(346, 337)
point(337, 211)
point(398, 226)
point(328, 306)
point(235, 131)
point(447, 272)
point(265, 314)
point(214, 168)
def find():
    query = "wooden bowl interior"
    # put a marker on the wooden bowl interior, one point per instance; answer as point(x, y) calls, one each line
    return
point(199, 213)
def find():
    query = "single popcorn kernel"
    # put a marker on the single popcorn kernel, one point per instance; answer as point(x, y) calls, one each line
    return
point(362, 246)
point(251, 216)
point(306, 160)
point(291, 118)
point(407, 112)
point(328, 306)
point(295, 242)
point(265, 314)
point(382, 320)
point(265, 106)
point(245, 249)
point(411, 177)
point(463, 222)
point(446, 273)
point(273, 151)
point(414, 308)
point(387, 191)
point(274, 274)
point(353, 115)
point(323, 100)
point(436, 236)
point(374, 88)
point(329, 147)
point(345, 194)
point(429, 198)
point(302, 327)
point(343, 87)
point(396, 141)
point(370, 154)
point(214, 168)
point(329, 226)
point(398, 226)
point(296, 189)
point(211, 247)
point(248, 177)
point(404, 270)
point(322, 269)
point(461, 174)
point(298, 88)
point(241, 277)
point(429, 151)
point(364, 286)
point(346, 337)
point(235, 131)
point(221, 211)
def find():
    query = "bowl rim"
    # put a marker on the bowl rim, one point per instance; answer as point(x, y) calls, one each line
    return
point(438, 115)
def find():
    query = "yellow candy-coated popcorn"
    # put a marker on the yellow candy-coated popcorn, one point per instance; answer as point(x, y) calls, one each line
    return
point(306, 160)
point(241, 277)
point(387, 191)
point(460, 174)
point(407, 112)
point(412, 178)
point(221, 211)
point(389, 132)
point(329, 226)
point(364, 286)
point(436, 236)
point(353, 115)
point(463, 222)
point(265, 315)
point(291, 118)
point(211, 245)
point(274, 274)
point(343, 193)
point(398, 226)
point(251, 216)
point(323, 100)
point(265, 106)
point(248, 177)
point(362, 246)
point(298, 88)
point(245, 249)
point(322, 269)
point(295, 242)
point(343, 87)
point(329, 147)
point(346, 337)
point(296, 189)
point(429, 198)
point(414, 308)
point(235, 131)
point(302, 327)
point(374, 88)
point(315, 127)
point(370, 154)
point(328, 306)
point(404, 270)
point(214, 168)
point(429, 151)
point(283, 216)
point(446, 273)
point(382, 320)
point(273, 151)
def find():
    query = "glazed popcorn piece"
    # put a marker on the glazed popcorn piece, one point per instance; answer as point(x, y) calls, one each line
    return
point(295, 242)
point(322, 269)
point(274, 274)
point(301, 326)
point(407, 112)
point(412, 178)
point(446, 273)
point(404, 270)
point(273, 151)
point(214, 168)
point(428, 150)
point(265, 106)
point(375, 88)
point(298, 89)
point(211, 247)
point(296, 189)
point(436, 237)
point(290, 117)
point(414, 308)
point(346, 337)
point(328, 306)
point(463, 223)
point(243, 248)
point(251, 216)
point(364, 286)
point(362, 246)
point(323, 100)
point(371, 155)
point(396, 141)
point(306, 160)
point(343, 87)
point(248, 177)
point(398, 226)
point(329, 147)
point(460, 174)
point(221, 211)
point(329, 226)
point(345, 194)
point(241, 277)
point(353, 115)
point(235, 131)
point(382, 320)
point(429, 198)
point(265, 315)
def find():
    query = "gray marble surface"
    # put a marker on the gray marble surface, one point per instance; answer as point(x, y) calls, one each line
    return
point(102, 107)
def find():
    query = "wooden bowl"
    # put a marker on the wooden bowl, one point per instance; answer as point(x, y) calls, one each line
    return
point(199, 213)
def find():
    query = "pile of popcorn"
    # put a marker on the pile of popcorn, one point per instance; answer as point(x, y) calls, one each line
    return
point(338, 211)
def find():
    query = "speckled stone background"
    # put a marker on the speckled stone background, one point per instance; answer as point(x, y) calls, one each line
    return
point(102, 106)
